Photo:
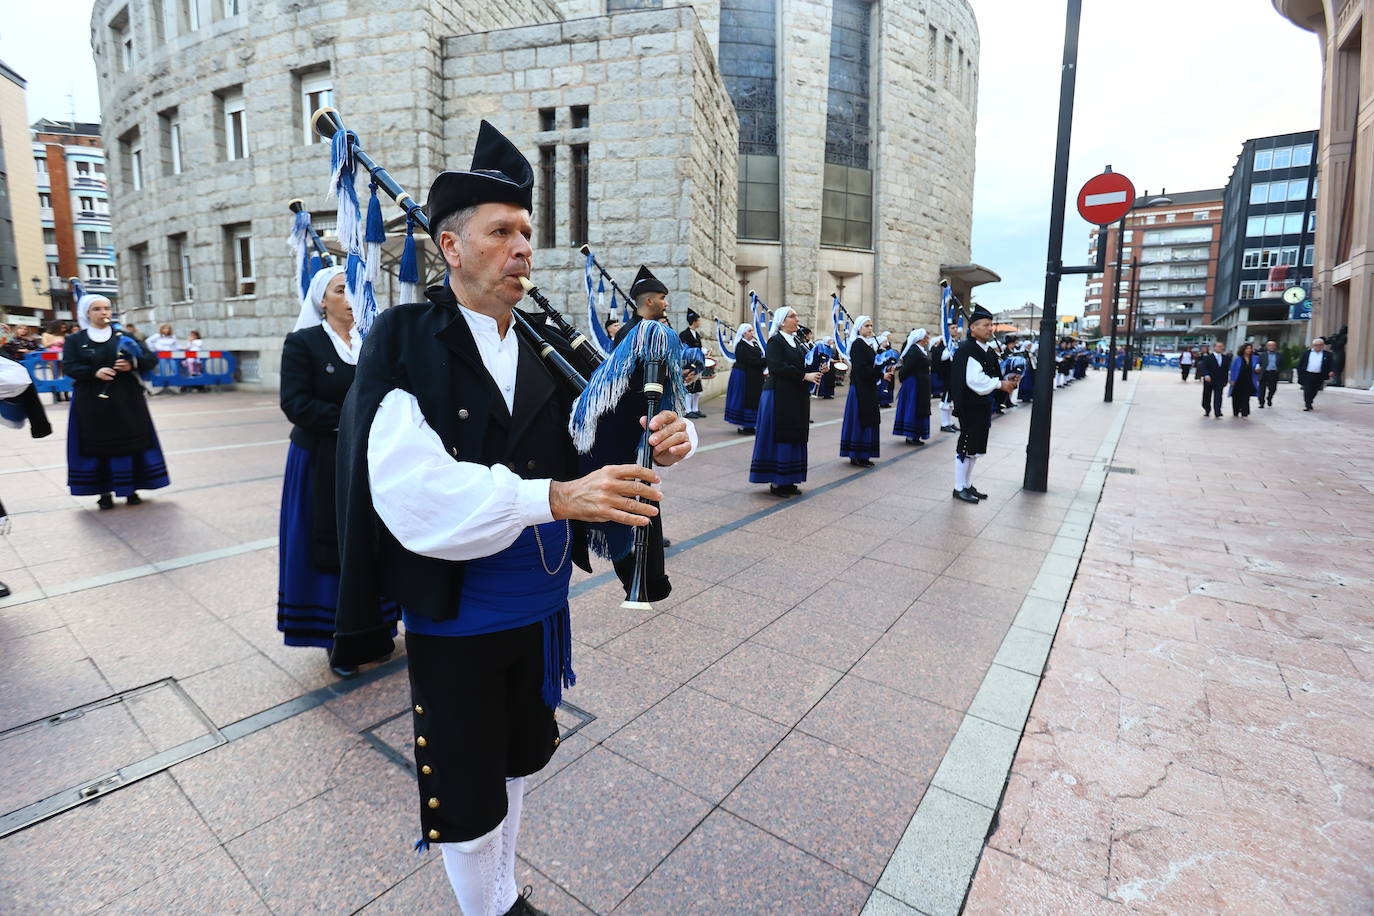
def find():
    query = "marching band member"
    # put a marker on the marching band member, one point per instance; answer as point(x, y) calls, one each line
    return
point(885, 361)
point(913, 397)
point(458, 499)
point(940, 358)
point(691, 338)
point(974, 376)
point(112, 445)
point(317, 367)
point(784, 410)
point(651, 302)
point(859, 433)
point(746, 381)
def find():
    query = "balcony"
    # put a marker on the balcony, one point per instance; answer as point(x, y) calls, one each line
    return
point(82, 182)
point(98, 251)
point(1171, 258)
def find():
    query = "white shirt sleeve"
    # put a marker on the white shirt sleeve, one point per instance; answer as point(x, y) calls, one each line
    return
point(436, 506)
point(977, 380)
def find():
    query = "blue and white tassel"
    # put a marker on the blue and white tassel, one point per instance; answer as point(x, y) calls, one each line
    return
point(373, 237)
point(649, 340)
point(408, 275)
point(299, 243)
point(342, 179)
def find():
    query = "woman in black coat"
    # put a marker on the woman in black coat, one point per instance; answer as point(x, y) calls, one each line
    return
point(859, 434)
point(784, 410)
point(913, 398)
point(317, 367)
point(746, 381)
point(112, 447)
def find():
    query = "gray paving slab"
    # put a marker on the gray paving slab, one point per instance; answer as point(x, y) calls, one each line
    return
point(1024, 649)
point(976, 764)
point(1039, 614)
point(1005, 696)
point(931, 867)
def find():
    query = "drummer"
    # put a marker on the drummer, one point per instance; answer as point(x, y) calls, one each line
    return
point(691, 338)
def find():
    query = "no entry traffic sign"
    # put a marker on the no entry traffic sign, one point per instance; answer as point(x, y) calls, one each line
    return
point(1106, 198)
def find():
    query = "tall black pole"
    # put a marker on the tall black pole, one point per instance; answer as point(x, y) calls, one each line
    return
point(1038, 444)
point(1116, 292)
point(1130, 321)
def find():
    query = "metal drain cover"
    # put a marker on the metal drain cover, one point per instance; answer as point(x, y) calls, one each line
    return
point(71, 757)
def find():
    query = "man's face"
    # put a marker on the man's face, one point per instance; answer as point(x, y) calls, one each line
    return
point(1271, 346)
point(1318, 345)
point(981, 329)
point(1218, 348)
point(491, 255)
point(652, 306)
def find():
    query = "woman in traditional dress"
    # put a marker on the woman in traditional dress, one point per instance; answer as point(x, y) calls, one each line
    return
point(317, 366)
point(859, 434)
point(784, 410)
point(1244, 379)
point(885, 362)
point(913, 398)
point(746, 381)
point(112, 447)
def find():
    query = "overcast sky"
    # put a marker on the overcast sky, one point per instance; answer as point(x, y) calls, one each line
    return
point(1167, 92)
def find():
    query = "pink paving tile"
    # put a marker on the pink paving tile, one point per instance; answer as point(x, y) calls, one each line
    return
point(1046, 821)
point(818, 637)
point(1004, 884)
point(767, 682)
point(209, 884)
point(672, 647)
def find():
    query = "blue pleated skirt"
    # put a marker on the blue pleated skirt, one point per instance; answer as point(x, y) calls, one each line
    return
point(856, 441)
point(906, 422)
point(307, 597)
point(118, 474)
point(735, 411)
point(777, 463)
point(884, 392)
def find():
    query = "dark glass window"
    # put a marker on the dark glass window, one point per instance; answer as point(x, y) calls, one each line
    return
point(546, 119)
point(548, 199)
point(577, 217)
point(581, 116)
point(758, 197)
point(748, 51)
point(846, 118)
point(847, 207)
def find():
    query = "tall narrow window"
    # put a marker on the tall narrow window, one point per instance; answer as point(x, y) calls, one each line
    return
point(143, 275)
point(179, 266)
point(317, 91)
point(847, 200)
point(170, 123)
point(548, 211)
point(238, 243)
point(577, 211)
point(931, 46)
point(233, 106)
point(748, 65)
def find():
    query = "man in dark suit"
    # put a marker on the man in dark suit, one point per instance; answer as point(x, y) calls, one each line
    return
point(1314, 369)
point(1271, 364)
point(1215, 372)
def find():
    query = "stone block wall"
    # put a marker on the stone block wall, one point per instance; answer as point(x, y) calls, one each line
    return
point(661, 137)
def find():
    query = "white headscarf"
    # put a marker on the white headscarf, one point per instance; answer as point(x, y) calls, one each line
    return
point(741, 339)
point(778, 316)
point(83, 305)
point(912, 338)
point(884, 337)
point(858, 326)
point(312, 309)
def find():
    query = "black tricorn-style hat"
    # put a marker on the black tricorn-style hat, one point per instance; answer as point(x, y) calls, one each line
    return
point(646, 282)
point(692, 316)
point(500, 173)
point(979, 312)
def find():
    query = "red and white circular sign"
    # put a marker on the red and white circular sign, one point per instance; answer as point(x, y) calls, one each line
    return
point(1106, 198)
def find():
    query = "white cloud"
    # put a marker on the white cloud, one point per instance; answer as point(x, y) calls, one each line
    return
point(1167, 90)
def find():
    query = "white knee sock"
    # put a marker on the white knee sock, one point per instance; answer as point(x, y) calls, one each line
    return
point(693, 402)
point(960, 473)
point(968, 470)
point(946, 414)
point(474, 870)
point(507, 890)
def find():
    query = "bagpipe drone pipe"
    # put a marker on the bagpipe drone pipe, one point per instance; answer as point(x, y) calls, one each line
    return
point(605, 420)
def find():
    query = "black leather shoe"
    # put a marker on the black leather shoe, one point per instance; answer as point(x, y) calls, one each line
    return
point(133, 499)
point(965, 496)
point(864, 463)
point(106, 501)
point(522, 905)
point(4, 590)
point(978, 493)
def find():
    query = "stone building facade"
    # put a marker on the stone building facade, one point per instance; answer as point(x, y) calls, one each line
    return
point(631, 114)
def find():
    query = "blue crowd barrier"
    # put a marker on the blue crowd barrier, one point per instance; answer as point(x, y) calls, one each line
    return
point(175, 369)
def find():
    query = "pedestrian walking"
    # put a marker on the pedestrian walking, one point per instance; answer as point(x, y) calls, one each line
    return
point(1214, 370)
point(1185, 362)
point(1244, 379)
point(1271, 364)
point(1315, 369)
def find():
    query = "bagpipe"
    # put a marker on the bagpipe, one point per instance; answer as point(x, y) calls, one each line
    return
point(843, 322)
point(125, 346)
point(652, 353)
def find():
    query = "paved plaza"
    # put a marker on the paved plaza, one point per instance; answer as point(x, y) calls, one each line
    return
point(819, 720)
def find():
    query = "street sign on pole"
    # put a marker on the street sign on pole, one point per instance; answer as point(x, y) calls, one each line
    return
point(1106, 198)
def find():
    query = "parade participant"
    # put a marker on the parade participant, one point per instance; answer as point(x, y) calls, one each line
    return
point(1315, 368)
point(974, 376)
point(1080, 361)
point(691, 337)
point(859, 433)
point(651, 302)
point(820, 359)
point(912, 419)
point(886, 362)
point(1244, 379)
point(112, 446)
point(1214, 370)
point(612, 327)
point(317, 368)
point(784, 410)
point(459, 499)
point(941, 358)
point(1025, 391)
point(1271, 363)
point(746, 381)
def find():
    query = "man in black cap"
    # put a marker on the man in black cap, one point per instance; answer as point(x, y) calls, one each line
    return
point(459, 500)
point(974, 375)
point(691, 337)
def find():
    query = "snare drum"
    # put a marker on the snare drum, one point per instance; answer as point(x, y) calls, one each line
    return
point(708, 368)
point(839, 365)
